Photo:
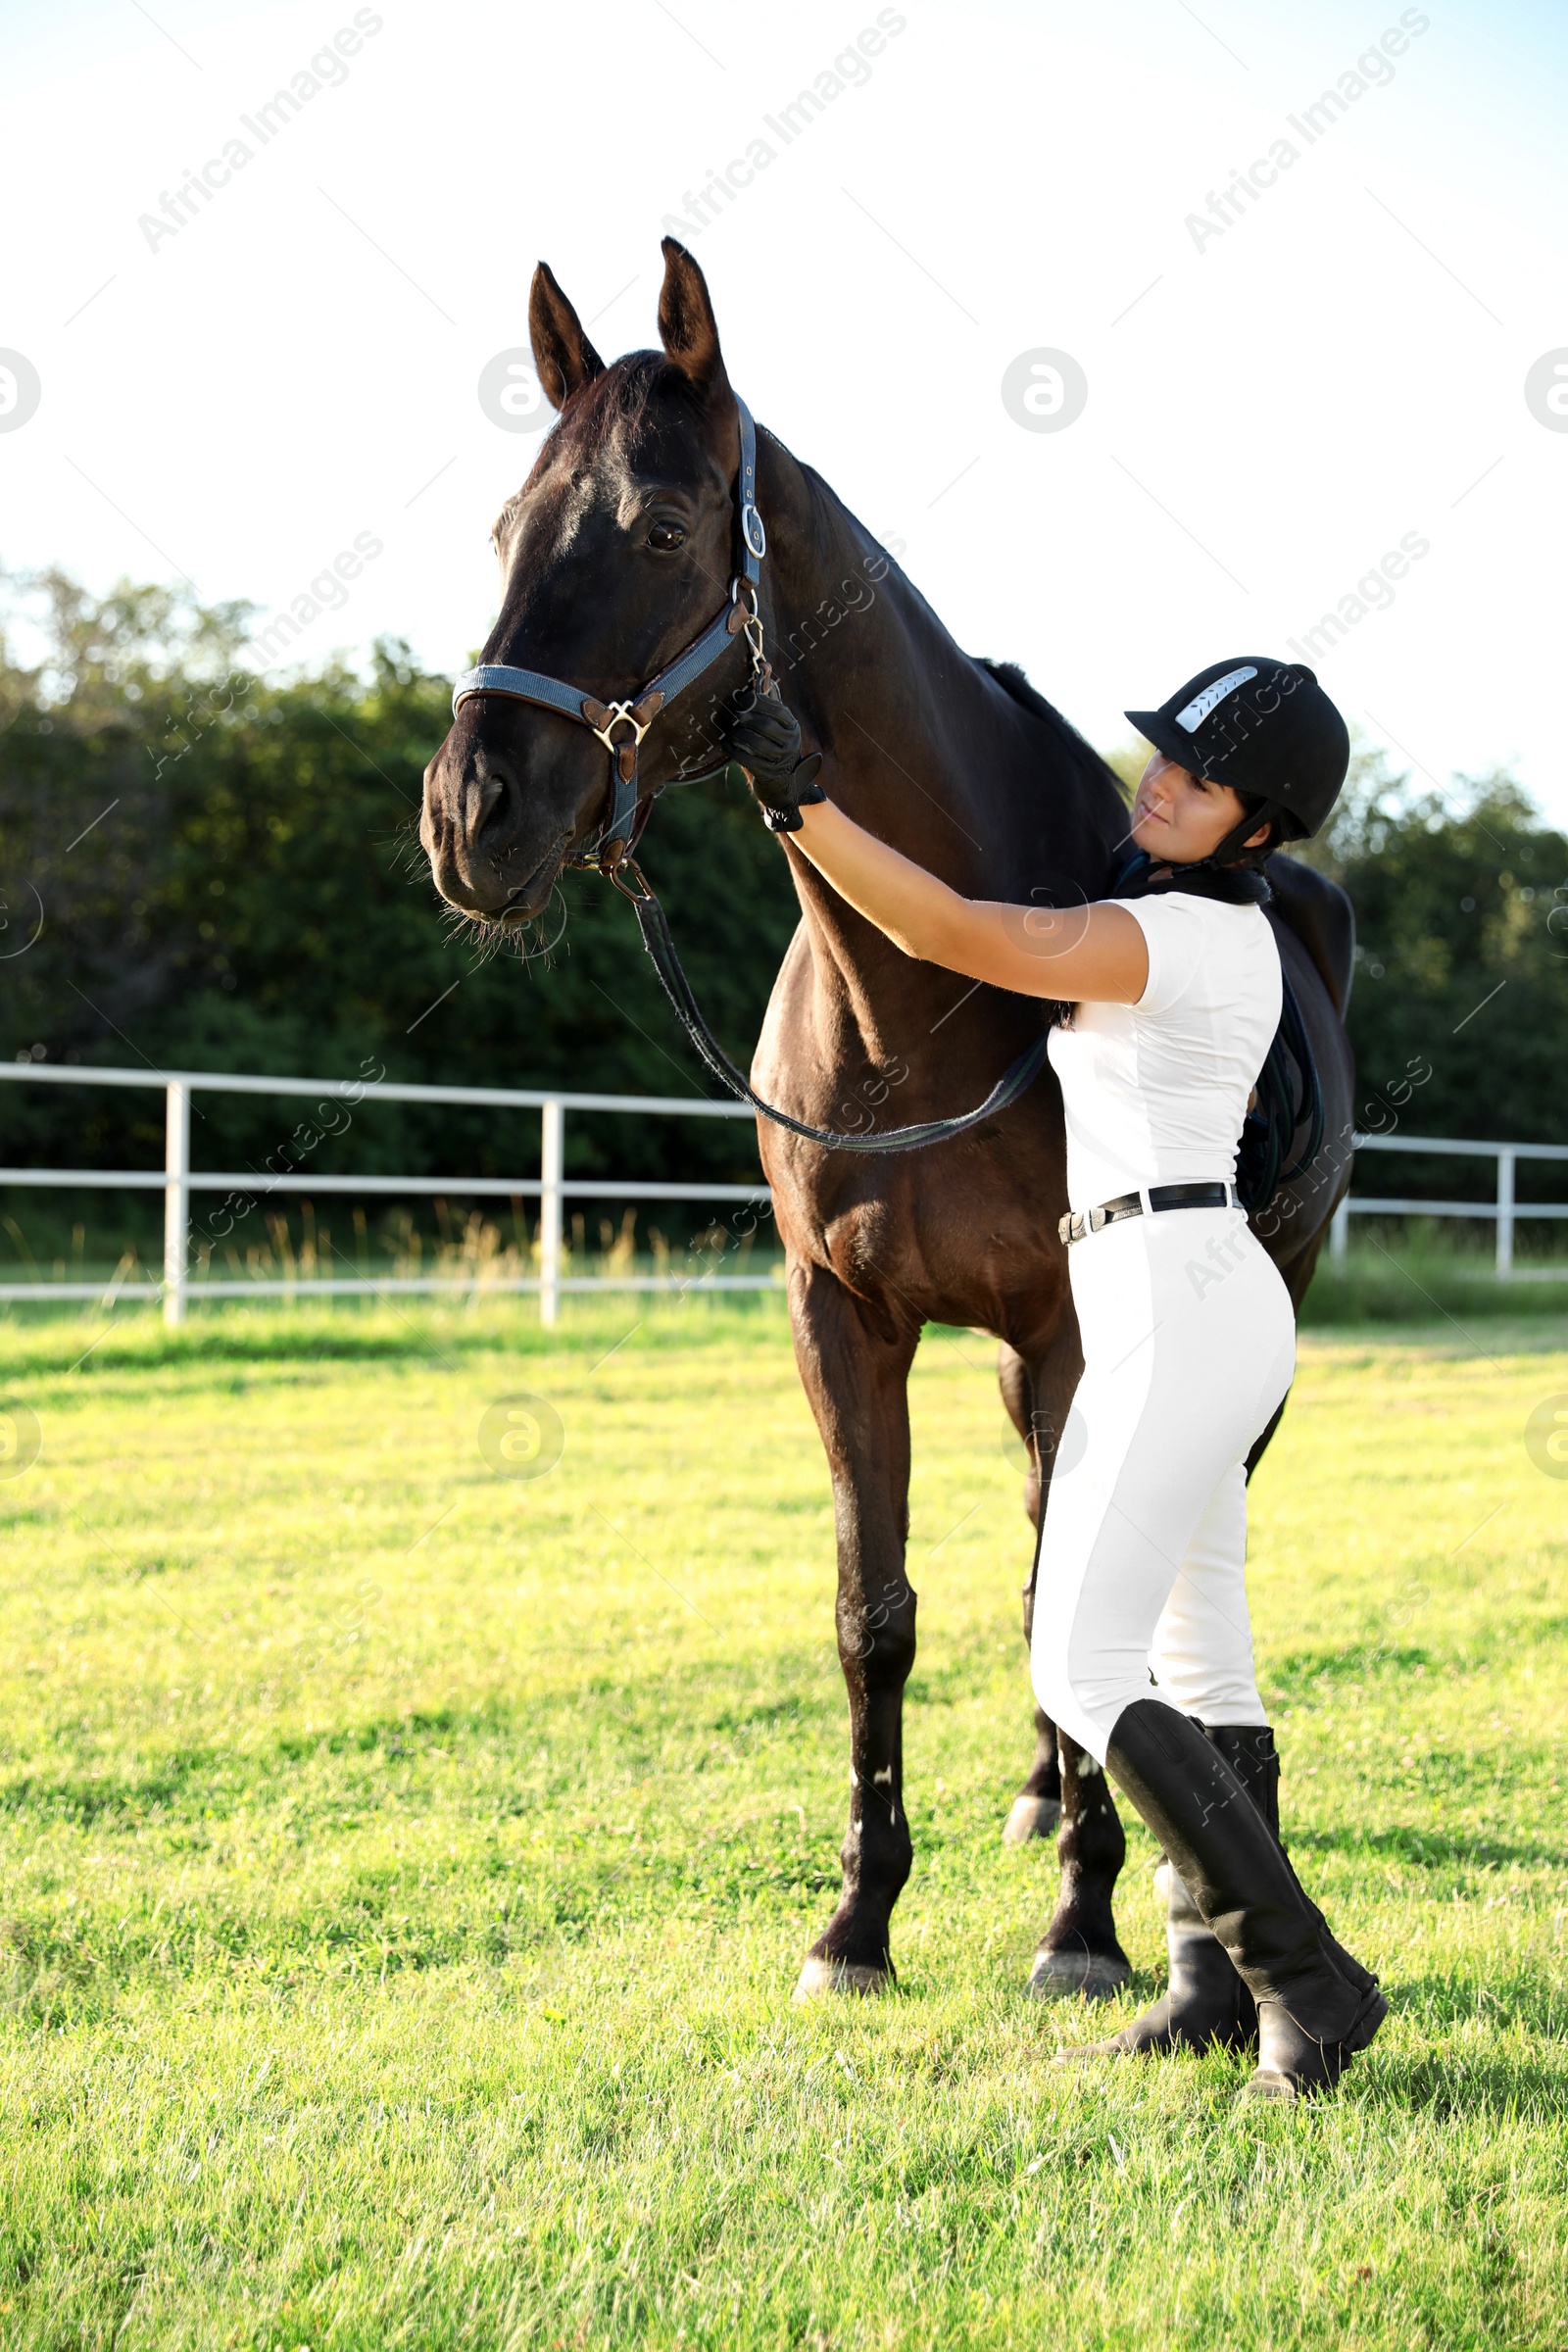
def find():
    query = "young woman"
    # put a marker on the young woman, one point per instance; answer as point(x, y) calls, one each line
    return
point(1188, 1335)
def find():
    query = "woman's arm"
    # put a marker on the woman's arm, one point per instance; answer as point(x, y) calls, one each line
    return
point(1095, 954)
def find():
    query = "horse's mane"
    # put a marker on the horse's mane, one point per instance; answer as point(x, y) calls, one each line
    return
point(1081, 754)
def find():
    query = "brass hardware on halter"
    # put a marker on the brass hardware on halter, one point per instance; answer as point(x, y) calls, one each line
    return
point(746, 620)
point(603, 718)
point(628, 864)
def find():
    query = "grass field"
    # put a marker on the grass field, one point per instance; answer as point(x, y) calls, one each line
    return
point(407, 1863)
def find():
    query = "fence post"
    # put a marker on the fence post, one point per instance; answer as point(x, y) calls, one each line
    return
point(1339, 1232)
point(176, 1197)
point(1505, 1168)
point(552, 1144)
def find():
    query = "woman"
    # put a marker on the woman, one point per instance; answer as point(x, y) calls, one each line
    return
point(1173, 990)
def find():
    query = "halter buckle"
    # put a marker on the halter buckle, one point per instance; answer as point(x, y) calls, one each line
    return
point(601, 718)
point(639, 896)
point(753, 531)
point(746, 619)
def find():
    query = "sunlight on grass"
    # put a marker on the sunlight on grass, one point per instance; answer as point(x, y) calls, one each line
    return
point(407, 1863)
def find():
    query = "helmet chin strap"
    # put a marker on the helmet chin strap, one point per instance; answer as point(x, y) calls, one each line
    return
point(1236, 839)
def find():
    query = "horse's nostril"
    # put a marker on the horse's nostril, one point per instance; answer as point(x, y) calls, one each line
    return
point(493, 781)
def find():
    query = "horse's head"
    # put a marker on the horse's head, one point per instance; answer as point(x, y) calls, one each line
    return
point(613, 554)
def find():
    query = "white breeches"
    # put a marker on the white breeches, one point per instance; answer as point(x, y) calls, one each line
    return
point(1189, 1343)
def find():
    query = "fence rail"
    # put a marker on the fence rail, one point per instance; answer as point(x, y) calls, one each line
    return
point(177, 1180)
point(1506, 1208)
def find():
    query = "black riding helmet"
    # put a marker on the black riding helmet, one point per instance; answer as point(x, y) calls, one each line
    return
point(1267, 729)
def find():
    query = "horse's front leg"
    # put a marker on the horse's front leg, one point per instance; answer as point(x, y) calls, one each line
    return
point(856, 1366)
point(1036, 1808)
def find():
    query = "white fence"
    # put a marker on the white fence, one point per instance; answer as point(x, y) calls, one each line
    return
point(1505, 1209)
point(176, 1180)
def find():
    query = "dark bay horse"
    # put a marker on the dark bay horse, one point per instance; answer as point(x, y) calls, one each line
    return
point(614, 556)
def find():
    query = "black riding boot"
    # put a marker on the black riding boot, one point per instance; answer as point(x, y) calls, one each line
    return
point(1255, 1759)
point(1315, 2008)
point(1205, 2005)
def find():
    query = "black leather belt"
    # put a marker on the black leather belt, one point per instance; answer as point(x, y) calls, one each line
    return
point(1078, 1222)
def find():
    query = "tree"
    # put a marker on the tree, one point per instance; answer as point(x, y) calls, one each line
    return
point(1461, 908)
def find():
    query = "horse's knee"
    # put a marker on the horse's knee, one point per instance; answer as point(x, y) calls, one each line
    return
point(876, 1644)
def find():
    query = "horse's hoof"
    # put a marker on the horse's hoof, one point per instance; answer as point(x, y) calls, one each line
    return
point(1031, 1817)
point(819, 1979)
point(1068, 1976)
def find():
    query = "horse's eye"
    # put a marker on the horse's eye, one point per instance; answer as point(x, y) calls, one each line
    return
point(666, 537)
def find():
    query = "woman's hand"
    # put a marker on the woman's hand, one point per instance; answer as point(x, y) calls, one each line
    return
point(764, 737)
point(1092, 952)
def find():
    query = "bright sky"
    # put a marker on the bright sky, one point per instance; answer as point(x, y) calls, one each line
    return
point(1323, 373)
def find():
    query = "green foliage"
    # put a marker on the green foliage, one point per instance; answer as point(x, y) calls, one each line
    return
point(1127, 763)
point(231, 880)
point(1460, 963)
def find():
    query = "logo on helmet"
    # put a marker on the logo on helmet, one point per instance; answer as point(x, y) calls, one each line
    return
point(1193, 717)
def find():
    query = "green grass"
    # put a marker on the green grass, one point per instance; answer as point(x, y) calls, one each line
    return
point(405, 1867)
point(1419, 1276)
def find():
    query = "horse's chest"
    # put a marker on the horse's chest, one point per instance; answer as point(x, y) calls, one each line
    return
point(976, 1228)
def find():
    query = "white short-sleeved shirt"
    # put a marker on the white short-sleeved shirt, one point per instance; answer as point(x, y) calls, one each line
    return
point(1155, 1093)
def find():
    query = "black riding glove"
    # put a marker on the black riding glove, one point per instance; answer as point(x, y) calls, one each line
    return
point(764, 736)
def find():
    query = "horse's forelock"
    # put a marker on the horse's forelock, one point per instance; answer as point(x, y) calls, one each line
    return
point(620, 404)
point(639, 389)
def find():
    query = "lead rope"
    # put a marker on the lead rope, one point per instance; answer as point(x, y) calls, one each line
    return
point(654, 924)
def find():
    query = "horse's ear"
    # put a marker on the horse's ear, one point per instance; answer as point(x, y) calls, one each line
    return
point(561, 352)
point(687, 328)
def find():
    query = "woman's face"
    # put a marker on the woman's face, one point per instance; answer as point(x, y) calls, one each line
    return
point(1178, 816)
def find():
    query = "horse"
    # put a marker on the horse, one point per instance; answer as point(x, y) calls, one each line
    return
point(612, 556)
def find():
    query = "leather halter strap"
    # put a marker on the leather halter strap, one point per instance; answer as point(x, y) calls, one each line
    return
point(640, 710)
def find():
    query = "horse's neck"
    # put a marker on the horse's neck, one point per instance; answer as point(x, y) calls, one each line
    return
point(906, 717)
point(925, 749)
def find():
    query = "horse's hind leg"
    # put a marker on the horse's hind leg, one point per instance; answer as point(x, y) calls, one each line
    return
point(1037, 1807)
point(854, 1366)
point(1080, 1951)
